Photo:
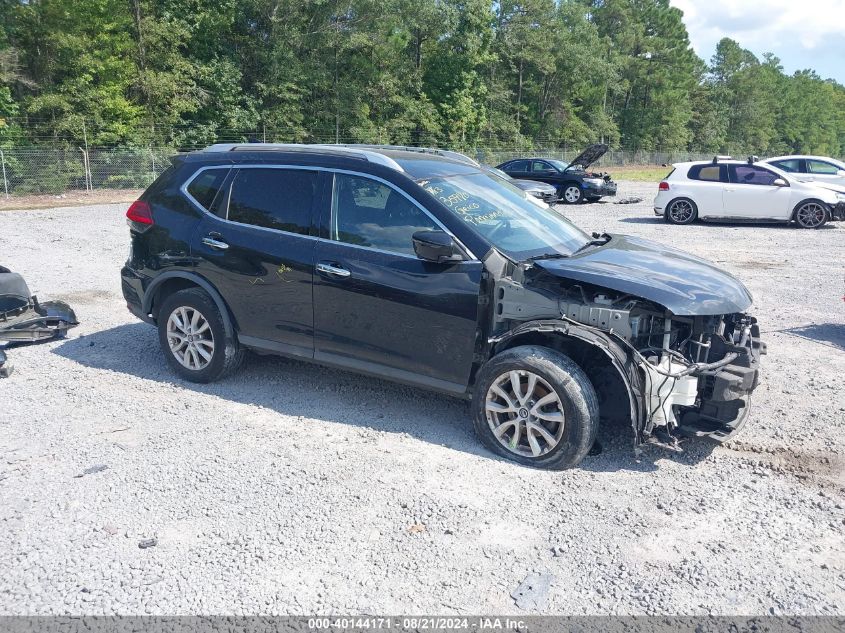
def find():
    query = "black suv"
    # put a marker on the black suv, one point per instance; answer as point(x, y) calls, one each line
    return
point(421, 267)
point(573, 182)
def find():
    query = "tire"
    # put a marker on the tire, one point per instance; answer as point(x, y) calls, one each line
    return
point(570, 193)
point(681, 211)
point(209, 338)
point(573, 433)
point(811, 214)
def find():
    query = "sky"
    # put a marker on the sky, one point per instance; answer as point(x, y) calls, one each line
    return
point(803, 34)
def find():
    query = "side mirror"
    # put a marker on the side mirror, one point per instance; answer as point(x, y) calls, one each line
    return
point(436, 246)
point(780, 182)
point(840, 173)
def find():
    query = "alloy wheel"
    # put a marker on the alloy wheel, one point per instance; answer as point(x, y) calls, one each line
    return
point(572, 194)
point(811, 215)
point(190, 338)
point(524, 413)
point(681, 211)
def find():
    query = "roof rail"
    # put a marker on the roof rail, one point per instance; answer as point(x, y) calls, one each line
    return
point(373, 157)
point(716, 159)
point(753, 159)
point(445, 153)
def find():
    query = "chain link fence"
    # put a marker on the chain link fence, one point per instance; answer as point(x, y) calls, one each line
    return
point(54, 171)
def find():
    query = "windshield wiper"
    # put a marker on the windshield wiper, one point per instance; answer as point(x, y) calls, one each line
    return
point(547, 256)
point(600, 240)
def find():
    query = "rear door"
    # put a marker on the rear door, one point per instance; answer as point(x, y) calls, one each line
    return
point(377, 307)
point(518, 169)
point(751, 194)
point(255, 245)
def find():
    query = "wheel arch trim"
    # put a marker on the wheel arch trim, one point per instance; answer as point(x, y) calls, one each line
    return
point(619, 357)
point(155, 285)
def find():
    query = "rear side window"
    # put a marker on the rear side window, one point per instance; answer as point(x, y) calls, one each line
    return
point(517, 165)
point(279, 199)
point(793, 165)
point(708, 173)
point(751, 175)
point(206, 185)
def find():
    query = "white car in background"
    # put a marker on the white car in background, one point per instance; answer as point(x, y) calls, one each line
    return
point(820, 169)
point(725, 189)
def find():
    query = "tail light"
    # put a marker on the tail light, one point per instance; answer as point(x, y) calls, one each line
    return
point(663, 186)
point(140, 213)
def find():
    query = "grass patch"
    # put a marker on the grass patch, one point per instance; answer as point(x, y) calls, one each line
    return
point(640, 173)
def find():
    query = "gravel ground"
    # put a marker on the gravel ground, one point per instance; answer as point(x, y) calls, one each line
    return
point(292, 489)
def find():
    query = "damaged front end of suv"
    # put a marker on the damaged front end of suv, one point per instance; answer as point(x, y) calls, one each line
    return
point(679, 355)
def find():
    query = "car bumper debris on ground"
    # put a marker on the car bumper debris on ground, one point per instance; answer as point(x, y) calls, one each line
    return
point(293, 489)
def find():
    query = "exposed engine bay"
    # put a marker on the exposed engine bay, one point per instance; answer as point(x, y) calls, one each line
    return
point(691, 374)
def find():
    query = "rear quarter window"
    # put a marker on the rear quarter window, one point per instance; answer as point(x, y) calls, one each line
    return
point(206, 185)
point(707, 173)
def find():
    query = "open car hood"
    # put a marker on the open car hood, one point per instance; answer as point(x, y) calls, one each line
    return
point(684, 284)
point(589, 155)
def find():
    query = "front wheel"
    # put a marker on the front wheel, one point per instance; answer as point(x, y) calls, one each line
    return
point(535, 406)
point(193, 337)
point(571, 194)
point(811, 215)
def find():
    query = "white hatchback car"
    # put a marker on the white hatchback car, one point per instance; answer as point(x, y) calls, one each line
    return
point(744, 191)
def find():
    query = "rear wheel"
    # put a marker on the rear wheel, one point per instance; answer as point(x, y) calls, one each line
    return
point(681, 211)
point(571, 193)
point(811, 214)
point(193, 337)
point(535, 406)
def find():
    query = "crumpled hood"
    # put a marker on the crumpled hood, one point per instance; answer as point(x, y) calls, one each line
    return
point(589, 155)
point(684, 284)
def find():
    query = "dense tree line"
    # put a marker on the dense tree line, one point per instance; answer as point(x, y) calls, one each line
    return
point(461, 73)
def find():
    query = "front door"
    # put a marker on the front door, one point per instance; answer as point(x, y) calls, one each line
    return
point(380, 309)
point(257, 251)
point(751, 194)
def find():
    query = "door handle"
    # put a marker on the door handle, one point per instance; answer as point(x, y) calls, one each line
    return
point(215, 243)
point(335, 271)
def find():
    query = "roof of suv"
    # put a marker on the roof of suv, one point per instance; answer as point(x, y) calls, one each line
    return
point(415, 162)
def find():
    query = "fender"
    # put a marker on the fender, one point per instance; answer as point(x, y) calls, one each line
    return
point(200, 281)
point(619, 357)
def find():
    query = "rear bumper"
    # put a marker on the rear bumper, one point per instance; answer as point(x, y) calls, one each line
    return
point(132, 284)
point(658, 211)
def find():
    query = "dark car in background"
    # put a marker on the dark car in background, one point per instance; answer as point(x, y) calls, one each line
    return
point(540, 190)
point(427, 269)
point(573, 182)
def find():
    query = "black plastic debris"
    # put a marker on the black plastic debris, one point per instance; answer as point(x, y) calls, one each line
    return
point(91, 470)
point(147, 542)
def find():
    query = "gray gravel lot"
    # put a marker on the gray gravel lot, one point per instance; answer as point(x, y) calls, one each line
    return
point(293, 489)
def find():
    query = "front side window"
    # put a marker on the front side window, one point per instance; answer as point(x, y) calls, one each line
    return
point(821, 167)
point(503, 215)
point(792, 165)
point(279, 199)
point(206, 185)
point(541, 165)
point(368, 213)
point(751, 175)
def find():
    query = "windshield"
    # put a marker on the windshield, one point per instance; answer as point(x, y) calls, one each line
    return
point(559, 164)
point(505, 217)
